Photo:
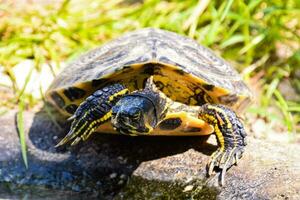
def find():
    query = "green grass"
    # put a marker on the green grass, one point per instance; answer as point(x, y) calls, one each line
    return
point(248, 33)
point(21, 130)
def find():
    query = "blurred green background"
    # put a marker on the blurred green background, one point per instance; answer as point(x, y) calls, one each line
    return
point(260, 38)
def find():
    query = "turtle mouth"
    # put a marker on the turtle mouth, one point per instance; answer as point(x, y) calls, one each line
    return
point(129, 125)
point(130, 130)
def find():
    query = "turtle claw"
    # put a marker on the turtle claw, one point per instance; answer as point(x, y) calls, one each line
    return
point(67, 138)
point(224, 159)
point(210, 168)
point(212, 162)
point(71, 118)
point(223, 176)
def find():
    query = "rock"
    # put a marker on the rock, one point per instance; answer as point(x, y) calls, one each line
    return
point(145, 167)
point(267, 171)
point(188, 188)
point(39, 80)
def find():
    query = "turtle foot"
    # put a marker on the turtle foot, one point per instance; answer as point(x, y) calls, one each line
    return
point(224, 159)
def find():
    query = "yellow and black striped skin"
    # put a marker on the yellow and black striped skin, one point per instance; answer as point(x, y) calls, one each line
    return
point(230, 135)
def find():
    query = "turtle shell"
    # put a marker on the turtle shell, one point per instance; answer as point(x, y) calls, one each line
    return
point(184, 70)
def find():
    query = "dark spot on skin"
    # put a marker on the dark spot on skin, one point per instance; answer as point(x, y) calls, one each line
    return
point(202, 98)
point(159, 85)
point(180, 71)
point(99, 82)
point(125, 69)
point(208, 99)
point(229, 99)
point(71, 108)
point(208, 87)
point(58, 99)
point(74, 93)
point(199, 98)
point(149, 69)
point(193, 129)
point(170, 124)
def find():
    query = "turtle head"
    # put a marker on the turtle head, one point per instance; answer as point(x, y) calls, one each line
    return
point(134, 114)
point(140, 111)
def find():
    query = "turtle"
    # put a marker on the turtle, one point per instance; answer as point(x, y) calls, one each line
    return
point(154, 82)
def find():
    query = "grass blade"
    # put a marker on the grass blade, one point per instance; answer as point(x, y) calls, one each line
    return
point(270, 91)
point(232, 40)
point(191, 23)
point(253, 43)
point(20, 125)
point(294, 109)
point(226, 10)
point(282, 105)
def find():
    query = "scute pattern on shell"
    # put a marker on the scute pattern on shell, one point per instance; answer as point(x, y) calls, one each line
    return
point(151, 45)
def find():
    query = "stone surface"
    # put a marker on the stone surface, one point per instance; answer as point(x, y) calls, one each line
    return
point(121, 167)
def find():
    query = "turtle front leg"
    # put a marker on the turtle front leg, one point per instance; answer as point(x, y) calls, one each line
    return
point(230, 135)
point(93, 112)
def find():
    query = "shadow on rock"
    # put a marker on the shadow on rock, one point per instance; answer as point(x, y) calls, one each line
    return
point(100, 168)
point(104, 162)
